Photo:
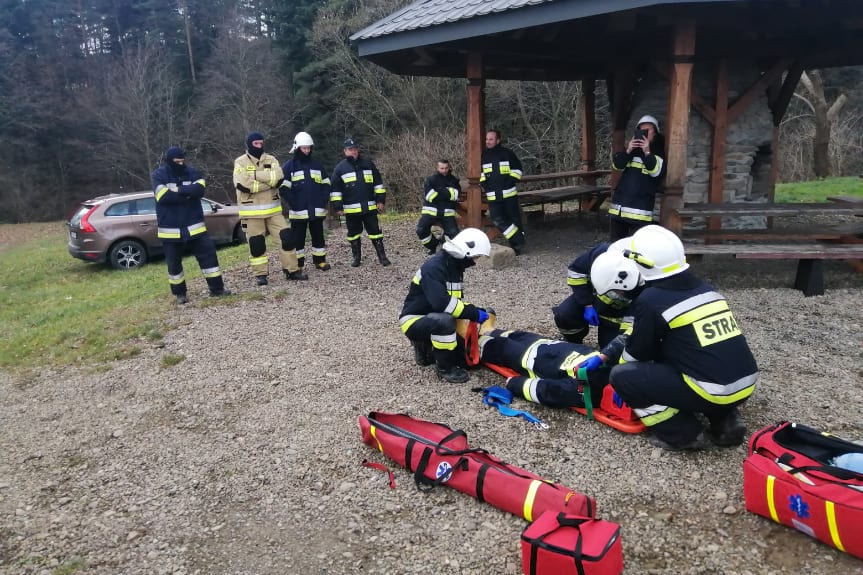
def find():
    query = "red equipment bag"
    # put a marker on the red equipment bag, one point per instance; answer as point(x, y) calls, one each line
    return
point(439, 455)
point(787, 477)
point(564, 544)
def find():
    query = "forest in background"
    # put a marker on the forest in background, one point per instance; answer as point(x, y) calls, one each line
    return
point(93, 91)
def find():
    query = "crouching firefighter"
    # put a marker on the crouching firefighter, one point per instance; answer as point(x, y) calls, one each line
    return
point(686, 355)
point(435, 301)
point(257, 177)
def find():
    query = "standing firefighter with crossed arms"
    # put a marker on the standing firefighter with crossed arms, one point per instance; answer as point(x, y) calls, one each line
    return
point(501, 171)
point(257, 177)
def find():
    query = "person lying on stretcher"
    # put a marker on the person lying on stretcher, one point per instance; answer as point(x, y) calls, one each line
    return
point(549, 369)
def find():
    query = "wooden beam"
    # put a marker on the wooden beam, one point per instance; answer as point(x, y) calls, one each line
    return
point(720, 136)
point(588, 127)
point(620, 94)
point(680, 89)
point(756, 89)
point(475, 139)
point(780, 105)
point(703, 108)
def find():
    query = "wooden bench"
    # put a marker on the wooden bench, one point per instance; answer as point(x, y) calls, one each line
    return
point(810, 256)
point(589, 197)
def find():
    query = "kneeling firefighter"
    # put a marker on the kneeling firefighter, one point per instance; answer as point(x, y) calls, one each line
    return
point(435, 301)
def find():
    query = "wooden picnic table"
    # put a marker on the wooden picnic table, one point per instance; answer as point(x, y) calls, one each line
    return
point(770, 209)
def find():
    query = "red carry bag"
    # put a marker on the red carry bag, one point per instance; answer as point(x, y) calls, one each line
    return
point(560, 543)
point(787, 478)
point(439, 455)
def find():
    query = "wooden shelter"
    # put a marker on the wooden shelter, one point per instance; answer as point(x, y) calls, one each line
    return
point(617, 41)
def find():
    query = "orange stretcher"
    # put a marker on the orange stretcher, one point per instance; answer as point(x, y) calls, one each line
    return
point(609, 412)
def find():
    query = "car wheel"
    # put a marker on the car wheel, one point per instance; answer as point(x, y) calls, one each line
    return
point(239, 234)
point(127, 255)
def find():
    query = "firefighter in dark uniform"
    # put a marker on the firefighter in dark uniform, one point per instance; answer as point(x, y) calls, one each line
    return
point(549, 368)
point(306, 191)
point(584, 307)
point(257, 178)
point(501, 171)
point(178, 189)
point(435, 301)
point(642, 165)
point(358, 193)
point(686, 355)
point(440, 196)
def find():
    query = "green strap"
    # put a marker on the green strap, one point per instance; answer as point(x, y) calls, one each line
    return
point(588, 401)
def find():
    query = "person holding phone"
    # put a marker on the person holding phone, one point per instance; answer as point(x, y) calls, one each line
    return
point(642, 166)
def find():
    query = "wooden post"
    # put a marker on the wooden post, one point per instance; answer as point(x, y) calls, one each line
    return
point(720, 136)
point(620, 88)
point(588, 128)
point(475, 140)
point(678, 124)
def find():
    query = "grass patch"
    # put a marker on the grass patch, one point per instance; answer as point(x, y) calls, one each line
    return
point(57, 311)
point(70, 566)
point(819, 190)
point(172, 359)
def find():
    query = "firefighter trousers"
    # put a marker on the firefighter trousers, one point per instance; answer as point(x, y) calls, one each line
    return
point(278, 228)
point(204, 250)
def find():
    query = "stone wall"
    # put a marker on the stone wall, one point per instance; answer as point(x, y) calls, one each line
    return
point(748, 147)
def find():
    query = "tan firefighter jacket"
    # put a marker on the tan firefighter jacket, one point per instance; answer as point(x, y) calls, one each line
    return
point(257, 183)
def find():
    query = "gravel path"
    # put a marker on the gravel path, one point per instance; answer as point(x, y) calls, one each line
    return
point(244, 458)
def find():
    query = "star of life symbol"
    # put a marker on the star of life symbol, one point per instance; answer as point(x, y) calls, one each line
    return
point(444, 470)
point(798, 506)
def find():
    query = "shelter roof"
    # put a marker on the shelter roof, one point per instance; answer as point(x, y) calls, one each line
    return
point(572, 39)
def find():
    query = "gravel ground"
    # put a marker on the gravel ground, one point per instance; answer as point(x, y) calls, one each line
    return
point(245, 457)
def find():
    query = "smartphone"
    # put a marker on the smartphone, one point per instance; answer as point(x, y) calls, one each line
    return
point(640, 134)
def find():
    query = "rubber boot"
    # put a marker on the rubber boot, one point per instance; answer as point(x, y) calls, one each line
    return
point(382, 255)
point(423, 355)
point(453, 374)
point(298, 275)
point(728, 430)
point(357, 252)
point(321, 263)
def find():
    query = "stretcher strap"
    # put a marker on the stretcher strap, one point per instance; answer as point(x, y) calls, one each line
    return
point(588, 400)
point(384, 468)
point(500, 399)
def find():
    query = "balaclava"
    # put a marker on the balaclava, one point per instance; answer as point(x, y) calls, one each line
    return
point(170, 155)
point(253, 151)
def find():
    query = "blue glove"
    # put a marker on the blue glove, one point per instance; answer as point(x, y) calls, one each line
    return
point(591, 363)
point(482, 315)
point(590, 315)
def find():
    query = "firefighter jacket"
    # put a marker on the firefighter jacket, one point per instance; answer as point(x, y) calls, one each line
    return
point(357, 187)
point(257, 183)
point(635, 194)
point(501, 171)
point(178, 203)
point(607, 306)
point(437, 288)
point(306, 188)
point(683, 322)
point(440, 195)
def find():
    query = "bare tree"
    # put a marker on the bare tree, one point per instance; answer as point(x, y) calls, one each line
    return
point(825, 116)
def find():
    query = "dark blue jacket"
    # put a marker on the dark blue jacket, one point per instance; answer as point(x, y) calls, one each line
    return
point(437, 288)
point(179, 213)
point(306, 188)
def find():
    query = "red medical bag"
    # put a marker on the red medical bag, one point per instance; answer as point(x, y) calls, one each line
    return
point(558, 543)
point(787, 478)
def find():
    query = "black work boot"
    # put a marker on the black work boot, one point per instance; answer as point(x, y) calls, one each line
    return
point(297, 275)
point(382, 255)
point(454, 374)
point(356, 252)
point(220, 292)
point(423, 354)
point(727, 431)
point(261, 280)
point(697, 444)
point(431, 246)
point(321, 263)
point(182, 299)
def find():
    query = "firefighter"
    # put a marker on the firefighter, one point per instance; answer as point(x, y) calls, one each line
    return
point(178, 189)
point(586, 307)
point(549, 368)
point(642, 166)
point(358, 193)
point(686, 355)
point(441, 193)
point(501, 171)
point(435, 301)
point(306, 191)
point(257, 177)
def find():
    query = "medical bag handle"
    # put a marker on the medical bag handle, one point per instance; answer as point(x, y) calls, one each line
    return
point(426, 484)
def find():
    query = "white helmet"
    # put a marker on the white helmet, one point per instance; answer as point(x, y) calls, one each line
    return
point(468, 243)
point(660, 248)
point(621, 245)
point(303, 139)
point(614, 271)
point(648, 120)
